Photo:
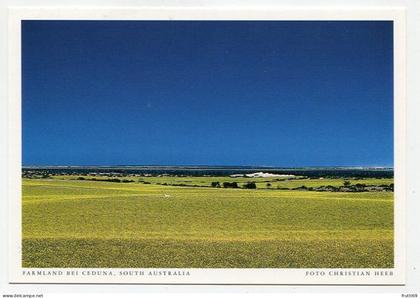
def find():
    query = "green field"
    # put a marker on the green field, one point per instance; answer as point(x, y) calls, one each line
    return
point(72, 223)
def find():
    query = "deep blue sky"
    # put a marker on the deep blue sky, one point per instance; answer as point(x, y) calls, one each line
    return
point(207, 93)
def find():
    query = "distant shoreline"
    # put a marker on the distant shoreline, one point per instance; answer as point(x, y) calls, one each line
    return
point(214, 171)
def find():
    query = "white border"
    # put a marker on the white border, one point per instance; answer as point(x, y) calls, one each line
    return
point(207, 276)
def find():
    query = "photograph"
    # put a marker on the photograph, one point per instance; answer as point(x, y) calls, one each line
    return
point(225, 144)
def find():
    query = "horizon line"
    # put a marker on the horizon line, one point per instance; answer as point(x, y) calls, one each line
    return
point(210, 166)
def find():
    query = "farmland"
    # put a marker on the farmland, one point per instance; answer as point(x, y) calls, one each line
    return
point(174, 222)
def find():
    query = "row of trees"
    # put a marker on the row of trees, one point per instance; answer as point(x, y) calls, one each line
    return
point(358, 187)
point(248, 185)
point(106, 180)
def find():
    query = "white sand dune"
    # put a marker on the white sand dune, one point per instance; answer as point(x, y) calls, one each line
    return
point(263, 175)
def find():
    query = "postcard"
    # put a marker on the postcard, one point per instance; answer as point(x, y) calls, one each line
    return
point(204, 146)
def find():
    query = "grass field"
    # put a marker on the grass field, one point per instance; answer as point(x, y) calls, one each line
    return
point(71, 223)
